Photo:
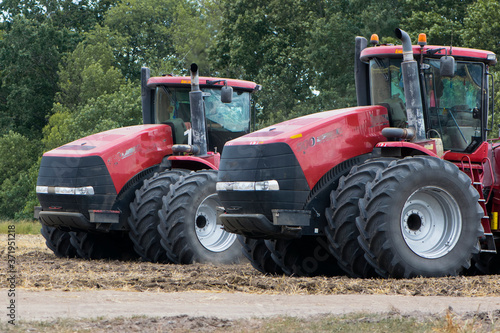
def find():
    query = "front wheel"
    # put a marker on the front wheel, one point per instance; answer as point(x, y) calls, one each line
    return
point(59, 242)
point(257, 252)
point(113, 246)
point(305, 256)
point(143, 220)
point(188, 226)
point(420, 217)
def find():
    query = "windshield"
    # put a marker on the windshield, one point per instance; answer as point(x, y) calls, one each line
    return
point(225, 121)
point(454, 103)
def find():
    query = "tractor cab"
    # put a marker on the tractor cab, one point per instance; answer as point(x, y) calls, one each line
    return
point(168, 103)
point(454, 98)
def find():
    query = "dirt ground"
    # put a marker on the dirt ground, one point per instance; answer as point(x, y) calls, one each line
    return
point(39, 270)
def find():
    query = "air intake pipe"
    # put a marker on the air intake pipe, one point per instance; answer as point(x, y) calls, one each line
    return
point(409, 70)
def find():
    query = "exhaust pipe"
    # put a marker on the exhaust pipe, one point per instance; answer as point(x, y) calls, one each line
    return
point(198, 123)
point(409, 69)
point(146, 95)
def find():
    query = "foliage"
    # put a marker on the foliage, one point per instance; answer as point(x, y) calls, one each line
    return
point(482, 26)
point(258, 41)
point(146, 25)
point(71, 68)
point(29, 56)
point(442, 24)
point(16, 179)
point(108, 111)
point(17, 154)
point(89, 71)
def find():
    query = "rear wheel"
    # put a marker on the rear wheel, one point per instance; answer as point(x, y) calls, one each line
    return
point(256, 251)
point(305, 256)
point(59, 242)
point(420, 217)
point(188, 223)
point(487, 263)
point(143, 220)
point(341, 217)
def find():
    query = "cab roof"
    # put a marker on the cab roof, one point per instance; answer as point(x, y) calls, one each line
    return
point(459, 53)
point(185, 81)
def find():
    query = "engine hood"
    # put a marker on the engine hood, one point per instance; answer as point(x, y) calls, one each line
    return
point(124, 151)
point(322, 140)
point(116, 141)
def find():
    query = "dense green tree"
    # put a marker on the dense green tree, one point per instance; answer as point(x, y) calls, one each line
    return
point(19, 154)
point(94, 96)
point(118, 109)
point(146, 25)
point(193, 32)
point(90, 70)
point(74, 15)
point(441, 20)
point(481, 27)
point(29, 56)
point(265, 41)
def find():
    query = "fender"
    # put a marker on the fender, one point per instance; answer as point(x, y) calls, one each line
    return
point(404, 148)
point(210, 160)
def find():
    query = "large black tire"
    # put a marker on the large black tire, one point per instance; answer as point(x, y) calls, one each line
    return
point(188, 223)
point(420, 217)
point(341, 217)
point(256, 251)
point(487, 263)
point(59, 242)
point(143, 220)
point(305, 256)
point(114, 246)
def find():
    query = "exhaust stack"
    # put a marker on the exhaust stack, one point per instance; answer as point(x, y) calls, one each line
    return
point(409, 70)
point(198, 123)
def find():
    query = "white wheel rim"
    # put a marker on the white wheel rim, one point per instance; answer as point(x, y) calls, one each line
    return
point(431, 222)
point(210, 234)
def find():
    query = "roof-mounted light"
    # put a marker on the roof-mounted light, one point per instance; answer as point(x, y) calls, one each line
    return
point(491, 56)
point(374, 40)
point(422, 39)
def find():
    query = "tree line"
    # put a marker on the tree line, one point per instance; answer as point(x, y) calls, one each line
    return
point(72, 68)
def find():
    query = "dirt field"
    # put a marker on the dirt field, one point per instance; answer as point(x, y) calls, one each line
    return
point(40, 270)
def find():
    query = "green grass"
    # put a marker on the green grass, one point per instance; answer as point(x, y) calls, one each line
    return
point(26, 227)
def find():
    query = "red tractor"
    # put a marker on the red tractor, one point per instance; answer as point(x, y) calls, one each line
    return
point(403, 185)
point(148, 190)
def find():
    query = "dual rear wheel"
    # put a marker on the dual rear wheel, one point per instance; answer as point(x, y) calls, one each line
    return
point(417, 216)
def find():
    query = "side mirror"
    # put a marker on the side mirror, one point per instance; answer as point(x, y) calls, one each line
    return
point(226, 94)
point(447, 66)
point(476, 114)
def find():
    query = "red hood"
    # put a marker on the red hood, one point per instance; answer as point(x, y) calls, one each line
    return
point(322, 140)
point(125, 151)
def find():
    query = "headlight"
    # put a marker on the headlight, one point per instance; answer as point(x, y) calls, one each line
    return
point(85, 190)
point(266, 185)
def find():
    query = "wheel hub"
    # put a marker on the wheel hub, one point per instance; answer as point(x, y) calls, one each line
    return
point(431, 222)
point(210, 234)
